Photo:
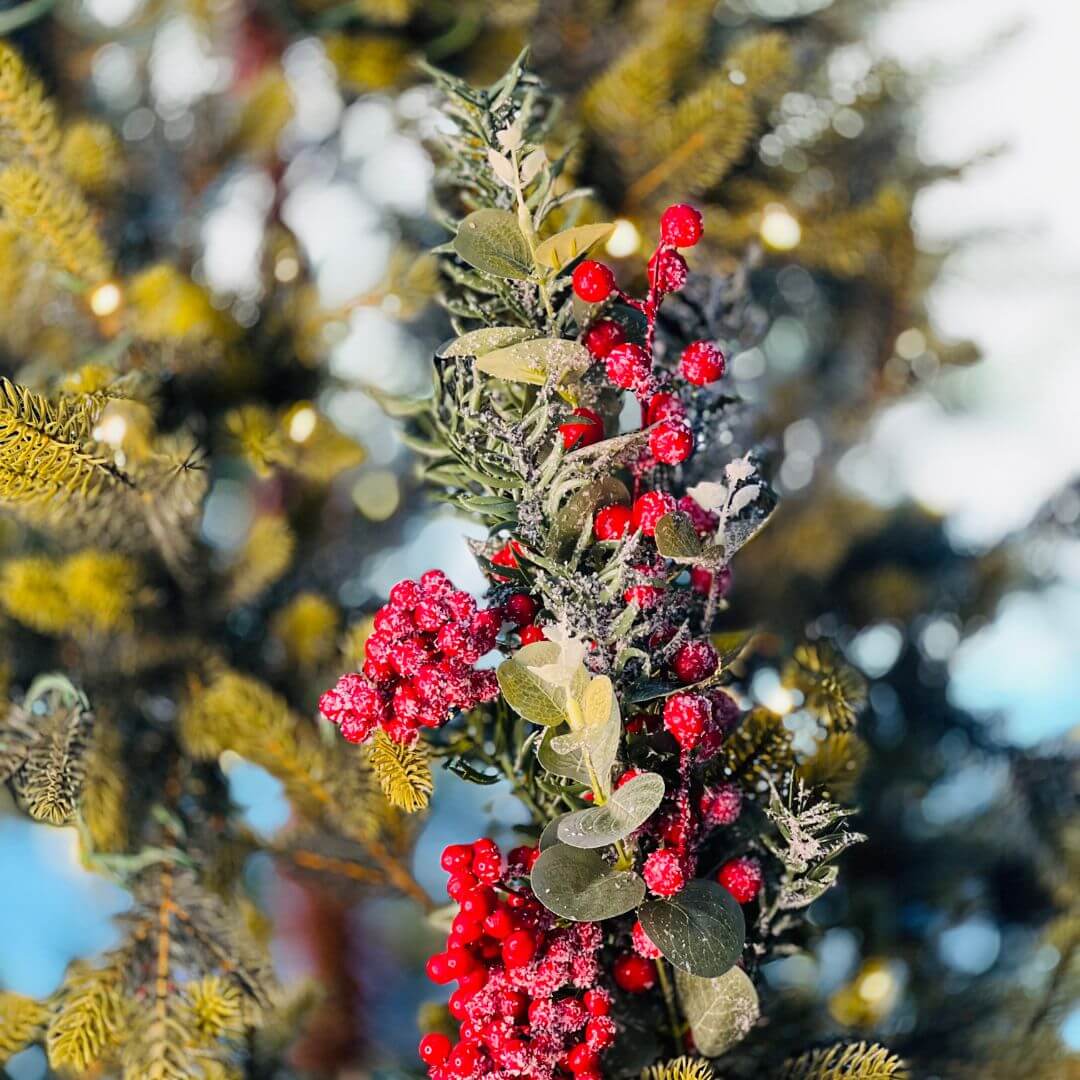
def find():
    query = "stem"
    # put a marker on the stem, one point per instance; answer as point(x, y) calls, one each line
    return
point(526, 226)
point(669, 999)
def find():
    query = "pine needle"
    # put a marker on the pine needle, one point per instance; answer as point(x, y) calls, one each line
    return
point(22, 1021)
point(90, 156)
point(307, 626)
point(682, 1068)
point(216, 1009)
point(54, 220)
point(88, 1020)
point(403, 772)
point(831, 687)
point(854, 1061)
point(264, 559)
point(27, 116)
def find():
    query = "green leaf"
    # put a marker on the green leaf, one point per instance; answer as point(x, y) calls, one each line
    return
point(596, 740)
point(730, 644)
point(629, 807)
point(535, 360)
point(485, 340)
point(701, 930)
point(720, 1011)
point(490, 240)
point(676, 537)
point(550, 835)
point(557, 251)
point(538, 701)
point(580, 885)
point(570, 765)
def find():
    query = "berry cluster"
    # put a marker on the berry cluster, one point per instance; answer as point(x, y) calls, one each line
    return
point(527, 999)
point(419, 663)
point(628, 365)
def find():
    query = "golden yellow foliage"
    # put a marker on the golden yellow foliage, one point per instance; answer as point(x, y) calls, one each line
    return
point(836, 765)
point(90, 156)
point(22, 1021)
point(216, 1007)
point(307, 627)
point(682, 1068)
point(86, 593)
point(54, 220)
point(269, 107)
point(367, 61)
point(103, 807)
point(854, 1061)
point(265, 557)
point(832, 689)
point(403, 772)
point(27, 116)
point(258, 436)
point(166, 307)
point(89, 1019)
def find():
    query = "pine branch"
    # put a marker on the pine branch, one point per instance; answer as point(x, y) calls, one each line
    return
point(855, 1061)
point(27, 116)
point(403, 772)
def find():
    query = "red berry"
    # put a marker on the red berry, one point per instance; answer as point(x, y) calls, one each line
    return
point(628, 367)
point(702, 363)
point(645, 596)
point(695, 661)
point(459, 884)
point(585, 431)
point(742, 878)
point(663, 872)
point(597, 1002)
point(600, 1033)
point(721, 805)
point(582, 1058)
point(507, 554)
point(520, 608)
point(680, 226)
point(642, 943)
point(626, 777)
point(523, 857)
point(464, 1058)
point(456, 857)
point(612, 523)
point(648, 509)
point(519, 948)
point(488, 868)
point(475, 904)
point(667, 271)
point(499, 924)
point(634, 974)
point(671, 442)
point(602, 337)
point(530, 635)
point(664, 407)
point(593, 281)
point(438, 970)
point(686, 716)
point(434, 1049)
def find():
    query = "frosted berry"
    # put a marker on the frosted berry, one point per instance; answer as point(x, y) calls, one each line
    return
point(530, 635)
point(686, 717)
point(612, 523)
point(664, 873)
point(520, 608)
point(671, 442)
point(680, 226)
point(643, 944)
point(742, 878)
point(602, 337)
point(645, 596)
point(702, 363)
point(696, 660)
point(648, 509)
point(664, 406)
point(434, 1049)
point(701, 580)
point(593, 281)
point(721, 805)
point(585, 429)
point(628, 366)
point(667, 271)
point(600, 1033)
point(634, 974)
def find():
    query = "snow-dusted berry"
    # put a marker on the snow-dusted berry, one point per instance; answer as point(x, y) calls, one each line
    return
point(681, 226)
point(686, 717)
point(628, 367)
point(742, 878)
point(585, 429)
point(667, 271)
point(721, 805)
point(696, 660)
point(593, 281)
point(671, 442)
point(602, 337)
point(648, 509)
point(664, 873)
point(702, 363)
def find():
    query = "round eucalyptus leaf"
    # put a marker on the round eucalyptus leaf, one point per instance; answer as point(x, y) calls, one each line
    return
point(701, 930)
point(538, 701)
point(676, 537)
point(578, 884)
point(629, 807)
point(550, 835)
point(490, 240)
point(720, 1011)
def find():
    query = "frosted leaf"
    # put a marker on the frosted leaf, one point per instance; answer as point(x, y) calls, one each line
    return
point(709, 495)
point(565, 670)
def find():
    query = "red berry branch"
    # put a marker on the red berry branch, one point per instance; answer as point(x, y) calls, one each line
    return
point(596, 677)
